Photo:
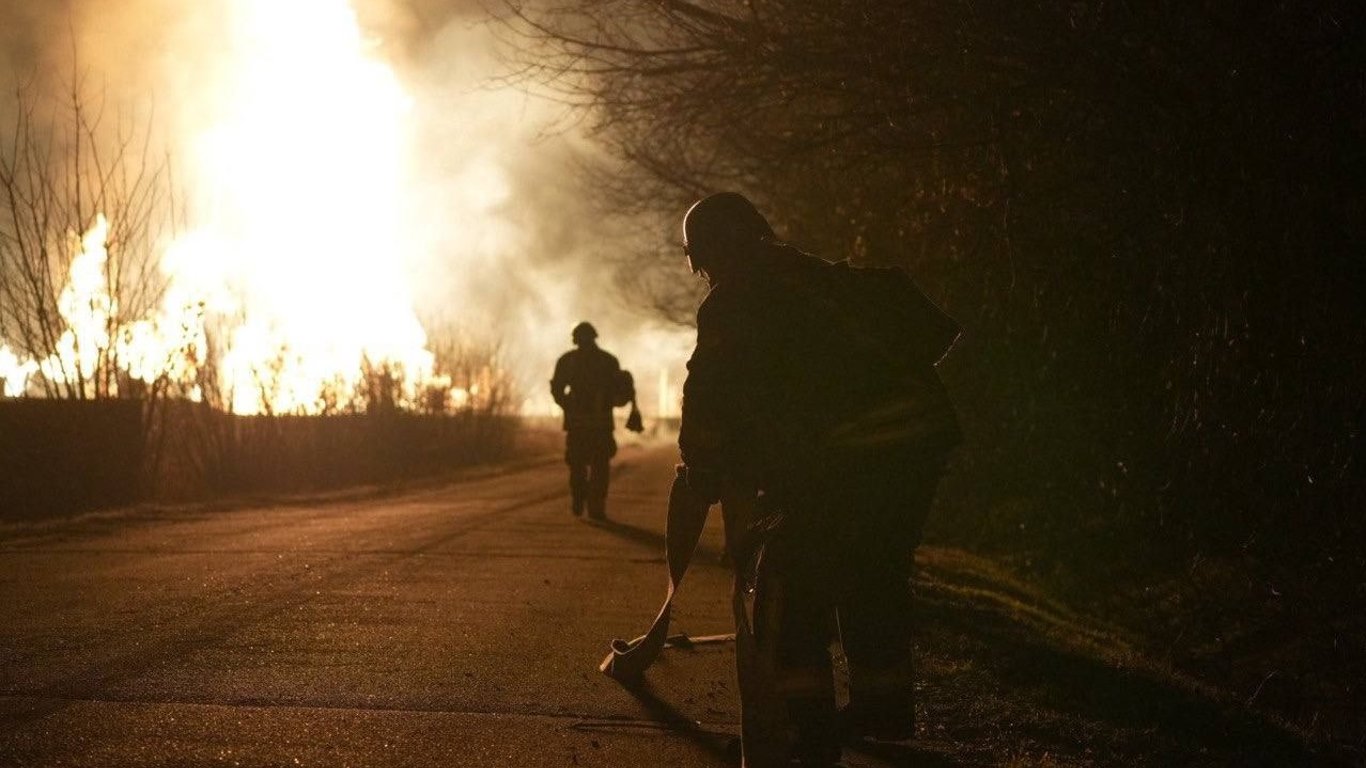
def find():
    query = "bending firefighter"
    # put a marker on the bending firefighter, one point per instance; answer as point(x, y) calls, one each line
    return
point(588, 382)
point(813, 413)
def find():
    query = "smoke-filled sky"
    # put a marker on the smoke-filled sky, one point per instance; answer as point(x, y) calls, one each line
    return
point(505, 243)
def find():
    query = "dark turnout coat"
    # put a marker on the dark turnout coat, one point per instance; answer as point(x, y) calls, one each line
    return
point(802, 364)
point(584, 386)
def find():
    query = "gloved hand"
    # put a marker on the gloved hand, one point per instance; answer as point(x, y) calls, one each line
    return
point(705, 484)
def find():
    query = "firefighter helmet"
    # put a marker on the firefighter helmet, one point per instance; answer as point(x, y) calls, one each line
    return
point(719, 225)
point(583, 333)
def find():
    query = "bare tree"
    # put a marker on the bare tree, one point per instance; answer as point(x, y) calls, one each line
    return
point(82, 179)
point(480, 382)
point(859, 125)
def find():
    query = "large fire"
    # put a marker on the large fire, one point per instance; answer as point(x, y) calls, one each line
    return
point(306, 171)
point(293, 270)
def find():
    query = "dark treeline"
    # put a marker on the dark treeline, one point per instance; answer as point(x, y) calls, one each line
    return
point(1146, 216)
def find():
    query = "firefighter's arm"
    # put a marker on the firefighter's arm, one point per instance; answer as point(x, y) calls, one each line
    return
point(559, 383)
point(707, 432)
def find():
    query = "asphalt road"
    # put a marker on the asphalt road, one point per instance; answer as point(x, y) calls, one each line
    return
point(462, 625)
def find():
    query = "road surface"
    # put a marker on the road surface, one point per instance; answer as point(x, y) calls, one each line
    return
point(461, 625)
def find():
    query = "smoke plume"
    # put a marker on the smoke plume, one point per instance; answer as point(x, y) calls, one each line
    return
point(503, 241)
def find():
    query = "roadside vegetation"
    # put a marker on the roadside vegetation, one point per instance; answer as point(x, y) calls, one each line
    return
point(1143, 218)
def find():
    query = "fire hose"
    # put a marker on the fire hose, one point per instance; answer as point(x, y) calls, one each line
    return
point(763, 722)
point(687, 515)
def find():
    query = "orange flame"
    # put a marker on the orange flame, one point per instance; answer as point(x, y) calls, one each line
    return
point(296, 260)
point(302, 236)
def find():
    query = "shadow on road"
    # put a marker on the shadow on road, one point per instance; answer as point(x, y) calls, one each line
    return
point(725, 748)
point(655, 540)
point(717, 745)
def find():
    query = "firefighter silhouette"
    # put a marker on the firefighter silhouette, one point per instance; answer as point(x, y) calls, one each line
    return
point(588, 383)
point(812, 411)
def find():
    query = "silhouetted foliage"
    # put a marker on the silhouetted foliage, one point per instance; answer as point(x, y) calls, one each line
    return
point(1145, 216)
point(63, 164)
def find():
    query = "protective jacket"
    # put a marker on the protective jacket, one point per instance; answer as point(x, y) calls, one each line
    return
point(802, 364)
point(583, 385)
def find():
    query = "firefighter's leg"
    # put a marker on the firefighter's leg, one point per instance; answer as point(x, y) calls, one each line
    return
point(578, 485)
point(599, 473)
point(875, 628)
point(793, 627)
point(876, 624)
point(765, 734)
point(578, 471)
point(599, 449)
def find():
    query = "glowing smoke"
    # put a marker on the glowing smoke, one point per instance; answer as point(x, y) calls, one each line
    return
point(302, 179)
point(345, 188)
